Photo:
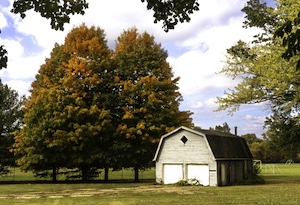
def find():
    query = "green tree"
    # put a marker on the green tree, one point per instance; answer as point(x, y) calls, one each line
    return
point(264, 76)
point(67, 123)
point(59, 11)
point(256, 145)
point(250, 138)
point(149, 98)
point(10, 121)
point(223, 128)
point(284, 136)
point(3, 57)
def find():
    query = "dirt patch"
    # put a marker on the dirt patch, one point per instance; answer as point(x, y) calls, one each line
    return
point(104, 192)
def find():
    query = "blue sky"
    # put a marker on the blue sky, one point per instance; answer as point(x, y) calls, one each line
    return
point(196, 51)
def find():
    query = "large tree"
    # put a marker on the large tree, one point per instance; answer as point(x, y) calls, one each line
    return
point(149, 98)
point(10, 121)
point(67, 120)
point(263, 74)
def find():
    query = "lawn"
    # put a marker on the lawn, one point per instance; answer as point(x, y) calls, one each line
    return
point(281, 187)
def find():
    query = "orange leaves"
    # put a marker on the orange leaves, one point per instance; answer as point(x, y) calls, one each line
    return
point(85, 42)
point(128, 115)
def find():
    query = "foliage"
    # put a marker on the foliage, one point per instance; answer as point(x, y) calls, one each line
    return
point(250, 138)
point(289, 32)
point(253, 178)
point(67, 123)
point(59, 11)
point(149, 99)
point(10, 121)
point(172, 12)
point(284, 137)
point(189, 182)
point(223, 128)
point(265, 77)
point(4, 170)
point(3, 57)
point(92, 108)
point(259, 15)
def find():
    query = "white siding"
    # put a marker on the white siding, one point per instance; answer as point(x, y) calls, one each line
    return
point(194, 151)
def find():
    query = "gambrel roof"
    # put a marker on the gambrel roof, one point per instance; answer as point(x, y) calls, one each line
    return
point(224, 146)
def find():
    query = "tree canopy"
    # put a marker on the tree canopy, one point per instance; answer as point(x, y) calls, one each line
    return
point(170, 12)
point(149, 97)
point(264, 76)
point(91, 107)
point(10, 121)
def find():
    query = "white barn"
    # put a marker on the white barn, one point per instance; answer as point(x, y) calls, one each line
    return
point(211, 157)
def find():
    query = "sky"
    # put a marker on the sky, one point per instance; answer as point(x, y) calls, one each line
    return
point(196, 51)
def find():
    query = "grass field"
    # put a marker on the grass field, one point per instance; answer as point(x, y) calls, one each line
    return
point(282, 187)
point(126, 174)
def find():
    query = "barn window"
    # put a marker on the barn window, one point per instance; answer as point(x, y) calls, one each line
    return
point(184, 139)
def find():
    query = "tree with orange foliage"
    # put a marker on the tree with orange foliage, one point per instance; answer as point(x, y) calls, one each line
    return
point(91, 108)
point(67, 122)
point(149, 98)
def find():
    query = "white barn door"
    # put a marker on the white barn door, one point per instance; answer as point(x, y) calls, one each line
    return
point(172, 173)
point(199, 172)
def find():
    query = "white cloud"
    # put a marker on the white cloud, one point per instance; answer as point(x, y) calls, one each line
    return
point(196, 104)
point(21, 86)
point(3, 22)
point(13, 47)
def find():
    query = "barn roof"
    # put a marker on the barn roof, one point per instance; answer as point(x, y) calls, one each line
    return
point(226, 145)
point(222, 144)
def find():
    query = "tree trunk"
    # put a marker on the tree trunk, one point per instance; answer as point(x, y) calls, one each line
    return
point(84, 172)
point(54, 174)
point(106, 174)
point(136, 174)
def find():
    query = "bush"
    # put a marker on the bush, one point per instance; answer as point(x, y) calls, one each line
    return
point(189, 182)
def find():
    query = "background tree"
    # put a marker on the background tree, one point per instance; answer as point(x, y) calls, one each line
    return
point(223, 128)
point(10, 121)
point(67, 124)
point(284, 137)
point(264, 76)
point(149, 98)
point(256, 146)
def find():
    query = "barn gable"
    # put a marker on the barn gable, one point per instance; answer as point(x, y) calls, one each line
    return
point(217, 158)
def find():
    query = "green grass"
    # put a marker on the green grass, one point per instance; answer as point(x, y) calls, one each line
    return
point(126, 174)
point(280, 188)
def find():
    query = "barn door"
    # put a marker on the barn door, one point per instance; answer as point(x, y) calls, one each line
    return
point(172, 173)
point(199, 172)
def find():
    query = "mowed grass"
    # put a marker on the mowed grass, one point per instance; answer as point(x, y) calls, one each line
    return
point(125, 174)
point(282, 187)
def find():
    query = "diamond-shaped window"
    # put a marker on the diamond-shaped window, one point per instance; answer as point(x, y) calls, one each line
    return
point(184, 139)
